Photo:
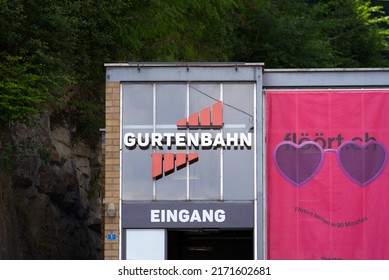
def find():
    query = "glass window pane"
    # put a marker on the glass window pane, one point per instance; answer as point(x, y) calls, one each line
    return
point(145, 244)
point(171, 107)
point(137, 104)
point(137, 183)
point(202, 95)
point(238, 162)
point(204, 176)
point(171, 104)
point(238, 174)
point(238, 104)
point(172, 186)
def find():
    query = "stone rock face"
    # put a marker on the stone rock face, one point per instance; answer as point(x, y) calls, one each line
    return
point(50, 204)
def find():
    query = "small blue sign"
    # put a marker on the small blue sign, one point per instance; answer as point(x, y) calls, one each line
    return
point(111, 236)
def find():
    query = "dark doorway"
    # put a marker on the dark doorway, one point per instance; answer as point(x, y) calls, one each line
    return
point(210, 244)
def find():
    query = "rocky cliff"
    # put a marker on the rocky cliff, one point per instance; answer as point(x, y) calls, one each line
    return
point(49, 193)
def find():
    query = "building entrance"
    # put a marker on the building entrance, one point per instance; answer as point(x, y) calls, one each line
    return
point(210, 244)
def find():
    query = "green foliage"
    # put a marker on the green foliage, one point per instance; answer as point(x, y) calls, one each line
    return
point(35, 47)
point(355, 32)
point(22, 91)
point(375, 18)
point(158, 30)
point(332, 33)
point(282, 34)
point(53, 52)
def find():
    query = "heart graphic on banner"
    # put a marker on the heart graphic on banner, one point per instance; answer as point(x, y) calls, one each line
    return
point(298, 164)
point(362, 163)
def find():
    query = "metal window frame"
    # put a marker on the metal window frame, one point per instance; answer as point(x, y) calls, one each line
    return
point(330, 78)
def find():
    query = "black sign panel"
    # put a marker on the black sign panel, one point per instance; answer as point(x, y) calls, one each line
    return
point(187, 215)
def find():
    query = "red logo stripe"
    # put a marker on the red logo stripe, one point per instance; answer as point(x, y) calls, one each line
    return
point(192, 157)
point(206, 115)
point(194, 120)
point(156, 162)
point(180, 160)
point(217, 114)
point(181, 123)
point(165, 163)
point(168, 163)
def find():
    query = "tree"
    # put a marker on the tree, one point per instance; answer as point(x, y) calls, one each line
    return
point(356, 30)
point(62, 45)
point(35, 46)
point(300, 33)
point(22, 92)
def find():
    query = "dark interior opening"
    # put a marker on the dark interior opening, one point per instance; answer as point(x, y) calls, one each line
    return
point(210, 244)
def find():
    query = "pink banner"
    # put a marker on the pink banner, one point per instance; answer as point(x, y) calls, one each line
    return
point(327, 174)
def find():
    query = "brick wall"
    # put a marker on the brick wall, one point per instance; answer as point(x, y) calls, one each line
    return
point(112, 168)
